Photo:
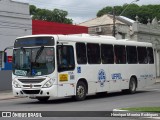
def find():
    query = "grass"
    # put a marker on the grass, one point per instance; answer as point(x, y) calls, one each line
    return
point(143, 109)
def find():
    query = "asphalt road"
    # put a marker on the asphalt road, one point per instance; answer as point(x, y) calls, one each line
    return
point(147, 97)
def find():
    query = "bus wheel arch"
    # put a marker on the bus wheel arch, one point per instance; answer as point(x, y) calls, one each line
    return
point(84, 81)
point(81, 89)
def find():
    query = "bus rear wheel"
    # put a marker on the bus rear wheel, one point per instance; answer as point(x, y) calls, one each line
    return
point(43, 99)
point(81, 91)
point(132, 85)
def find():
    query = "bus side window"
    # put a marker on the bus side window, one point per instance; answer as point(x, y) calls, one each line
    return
point(107, 54)
point(93, 53)
point(150, 55)
point(81, 53)
point(142, 55)
point(120, 54)
point(131, 54)
point(65, 58)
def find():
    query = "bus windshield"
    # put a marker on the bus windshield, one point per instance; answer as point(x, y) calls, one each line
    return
point(33, 61)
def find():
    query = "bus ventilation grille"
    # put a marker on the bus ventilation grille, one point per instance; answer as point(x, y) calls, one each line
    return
point(31, 80)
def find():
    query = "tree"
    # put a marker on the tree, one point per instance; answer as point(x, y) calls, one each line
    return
point(55, 15)
point(104, 11)
point(143, 12)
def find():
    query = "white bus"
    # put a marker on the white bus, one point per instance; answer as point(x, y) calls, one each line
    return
point(76, 65)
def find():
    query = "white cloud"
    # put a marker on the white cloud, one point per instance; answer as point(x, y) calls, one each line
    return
point(81, 10)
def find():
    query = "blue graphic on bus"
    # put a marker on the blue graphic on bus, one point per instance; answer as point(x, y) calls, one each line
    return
point(116, 76)
point(34, 72)
point(101, 77)
point(78, 69)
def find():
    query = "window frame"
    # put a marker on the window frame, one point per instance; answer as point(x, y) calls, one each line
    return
point(117, 55)
point(84, 56)
point(102, 57)
point(140, 55)
point(91, 55)
point(134, 55)
point(69, 67)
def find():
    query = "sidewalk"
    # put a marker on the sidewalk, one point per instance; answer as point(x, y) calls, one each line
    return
point(158, 80)
point(5, 95)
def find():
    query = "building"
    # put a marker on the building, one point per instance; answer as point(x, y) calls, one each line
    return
point(148, 33)
point(128, 29)
point(15, 21)
point(104, 26)
point(44, 27)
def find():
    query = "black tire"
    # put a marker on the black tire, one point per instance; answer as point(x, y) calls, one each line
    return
point(132, 85)
point(81, 91)
point(43, 99)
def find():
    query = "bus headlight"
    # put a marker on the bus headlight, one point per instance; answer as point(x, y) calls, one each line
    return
point(16, 85)
point(48, 84)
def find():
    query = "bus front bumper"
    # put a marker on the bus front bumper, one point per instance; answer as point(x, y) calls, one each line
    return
point(35, 92)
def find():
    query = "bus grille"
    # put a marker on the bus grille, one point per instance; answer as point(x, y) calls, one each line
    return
point(31, 91)
point(32, 86)
point(31, 80)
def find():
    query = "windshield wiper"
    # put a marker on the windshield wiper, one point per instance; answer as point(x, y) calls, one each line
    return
point(39, 52)
point(23, 50)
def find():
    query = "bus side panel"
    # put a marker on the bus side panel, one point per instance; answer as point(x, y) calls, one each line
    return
point(151, 75)
point(115, 76)
point(141, 75)
point(66, 83)
point(65, 90)
point(96, 77)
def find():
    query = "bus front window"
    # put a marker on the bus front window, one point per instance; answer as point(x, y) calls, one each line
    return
point(33, 61)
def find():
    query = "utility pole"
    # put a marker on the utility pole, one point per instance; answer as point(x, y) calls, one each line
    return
point(114, 17)
point(114, 22)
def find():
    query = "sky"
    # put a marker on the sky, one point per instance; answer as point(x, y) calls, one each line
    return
point(83, 10)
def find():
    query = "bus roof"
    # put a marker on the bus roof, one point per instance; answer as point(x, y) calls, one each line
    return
point(92, 39)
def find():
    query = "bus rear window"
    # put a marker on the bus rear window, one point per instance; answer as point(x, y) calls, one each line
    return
point(150, 55)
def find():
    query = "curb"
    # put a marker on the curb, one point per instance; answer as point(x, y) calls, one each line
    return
point(118, 110)
point(8, 98)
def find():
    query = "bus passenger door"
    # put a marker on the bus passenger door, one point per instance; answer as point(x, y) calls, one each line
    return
point(66, 67)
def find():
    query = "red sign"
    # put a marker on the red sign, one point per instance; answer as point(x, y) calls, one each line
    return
point(9, 59)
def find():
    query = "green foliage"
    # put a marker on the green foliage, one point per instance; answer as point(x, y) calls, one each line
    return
point(143, 12)
point(105, 11)
point(55, 15)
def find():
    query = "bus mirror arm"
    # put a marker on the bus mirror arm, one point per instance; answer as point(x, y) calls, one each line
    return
point(5, 57)
point(5, 54)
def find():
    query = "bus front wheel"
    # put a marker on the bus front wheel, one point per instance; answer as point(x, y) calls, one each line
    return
point(81, 91)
